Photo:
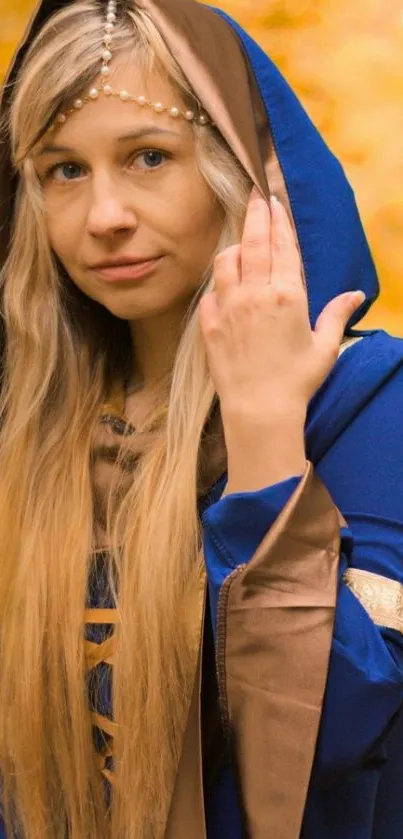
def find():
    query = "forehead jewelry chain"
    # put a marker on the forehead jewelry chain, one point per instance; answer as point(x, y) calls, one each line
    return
point(201, 118)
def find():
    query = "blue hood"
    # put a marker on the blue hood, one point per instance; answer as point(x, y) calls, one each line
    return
point(267, 129)
point(333, 245)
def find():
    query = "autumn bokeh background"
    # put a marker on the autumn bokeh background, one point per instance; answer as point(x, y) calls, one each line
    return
point(344, 60)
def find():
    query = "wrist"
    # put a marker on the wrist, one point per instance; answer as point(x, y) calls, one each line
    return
point(261, 451)
point(255, 464)
point(245, 418)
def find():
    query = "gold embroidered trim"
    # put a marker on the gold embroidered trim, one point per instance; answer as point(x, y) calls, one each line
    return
point(348, 342)
point(381, 597)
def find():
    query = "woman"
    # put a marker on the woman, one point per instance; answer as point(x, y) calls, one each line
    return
point(174, 374)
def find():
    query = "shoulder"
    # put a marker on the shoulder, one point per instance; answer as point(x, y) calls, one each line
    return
point(369, 371)
point(369, 359)
point(354, 431)
point(376, 346)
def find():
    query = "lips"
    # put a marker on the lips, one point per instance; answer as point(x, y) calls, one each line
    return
point(123, 259)
point(121, 271)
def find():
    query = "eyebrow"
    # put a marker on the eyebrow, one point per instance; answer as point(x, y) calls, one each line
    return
point(145, 131)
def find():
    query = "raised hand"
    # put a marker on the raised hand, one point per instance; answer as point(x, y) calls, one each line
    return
point(265, 360)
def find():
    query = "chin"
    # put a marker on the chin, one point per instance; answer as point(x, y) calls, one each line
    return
point(137, 312)
point(148, 307)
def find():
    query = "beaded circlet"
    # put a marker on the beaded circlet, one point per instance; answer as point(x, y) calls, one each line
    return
point(201, 118)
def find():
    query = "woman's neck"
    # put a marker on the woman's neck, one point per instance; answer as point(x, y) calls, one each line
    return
point(155, 342)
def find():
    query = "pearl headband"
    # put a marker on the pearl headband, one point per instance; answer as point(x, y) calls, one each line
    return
point(200, 118)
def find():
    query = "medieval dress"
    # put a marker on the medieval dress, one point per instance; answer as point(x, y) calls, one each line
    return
point(295, 727)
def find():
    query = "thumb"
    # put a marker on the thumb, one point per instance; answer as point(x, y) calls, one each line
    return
point(331, 323)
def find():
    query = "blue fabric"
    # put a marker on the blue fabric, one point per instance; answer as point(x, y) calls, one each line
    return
point(235, 526)
point(334, 249)
point(355, 442)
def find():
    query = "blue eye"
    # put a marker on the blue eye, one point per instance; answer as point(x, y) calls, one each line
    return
point(69, 172)
point(152, 158)
point(64, 172)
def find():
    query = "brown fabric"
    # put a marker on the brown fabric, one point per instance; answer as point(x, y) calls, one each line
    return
point(115, 451)
point(103, 616)
point(113, 459)
point(205, 47)
point(186, 816)
point(214, 745)
point(275, 627)
point(100, 653)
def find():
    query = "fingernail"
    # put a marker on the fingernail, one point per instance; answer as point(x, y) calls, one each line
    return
point(360, 296)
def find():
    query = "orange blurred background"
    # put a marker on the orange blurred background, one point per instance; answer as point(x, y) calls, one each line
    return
point(344, 60)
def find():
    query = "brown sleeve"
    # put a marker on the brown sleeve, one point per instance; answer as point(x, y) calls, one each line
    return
point(275, 624)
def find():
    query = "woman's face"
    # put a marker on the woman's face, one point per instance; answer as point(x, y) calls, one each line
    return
point(121, 182)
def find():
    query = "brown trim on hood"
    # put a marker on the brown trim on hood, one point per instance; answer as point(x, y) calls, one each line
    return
point(210, 54)
point(232, 98)
point(275, 629)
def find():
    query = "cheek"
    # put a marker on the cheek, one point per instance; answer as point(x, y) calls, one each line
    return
point(64, 238)
point(196, 218)
point(63, 241)
point(63, 227)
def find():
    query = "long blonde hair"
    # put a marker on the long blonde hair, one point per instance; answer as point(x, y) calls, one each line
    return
point(62, 354)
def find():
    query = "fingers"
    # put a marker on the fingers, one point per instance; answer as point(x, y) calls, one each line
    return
point(331, 324)
point(268, 252)
point(227, 269)
point(255, 247)
point(209, 313)
point(286, 267)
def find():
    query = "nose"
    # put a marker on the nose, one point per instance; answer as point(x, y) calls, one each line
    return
point(110, 211)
